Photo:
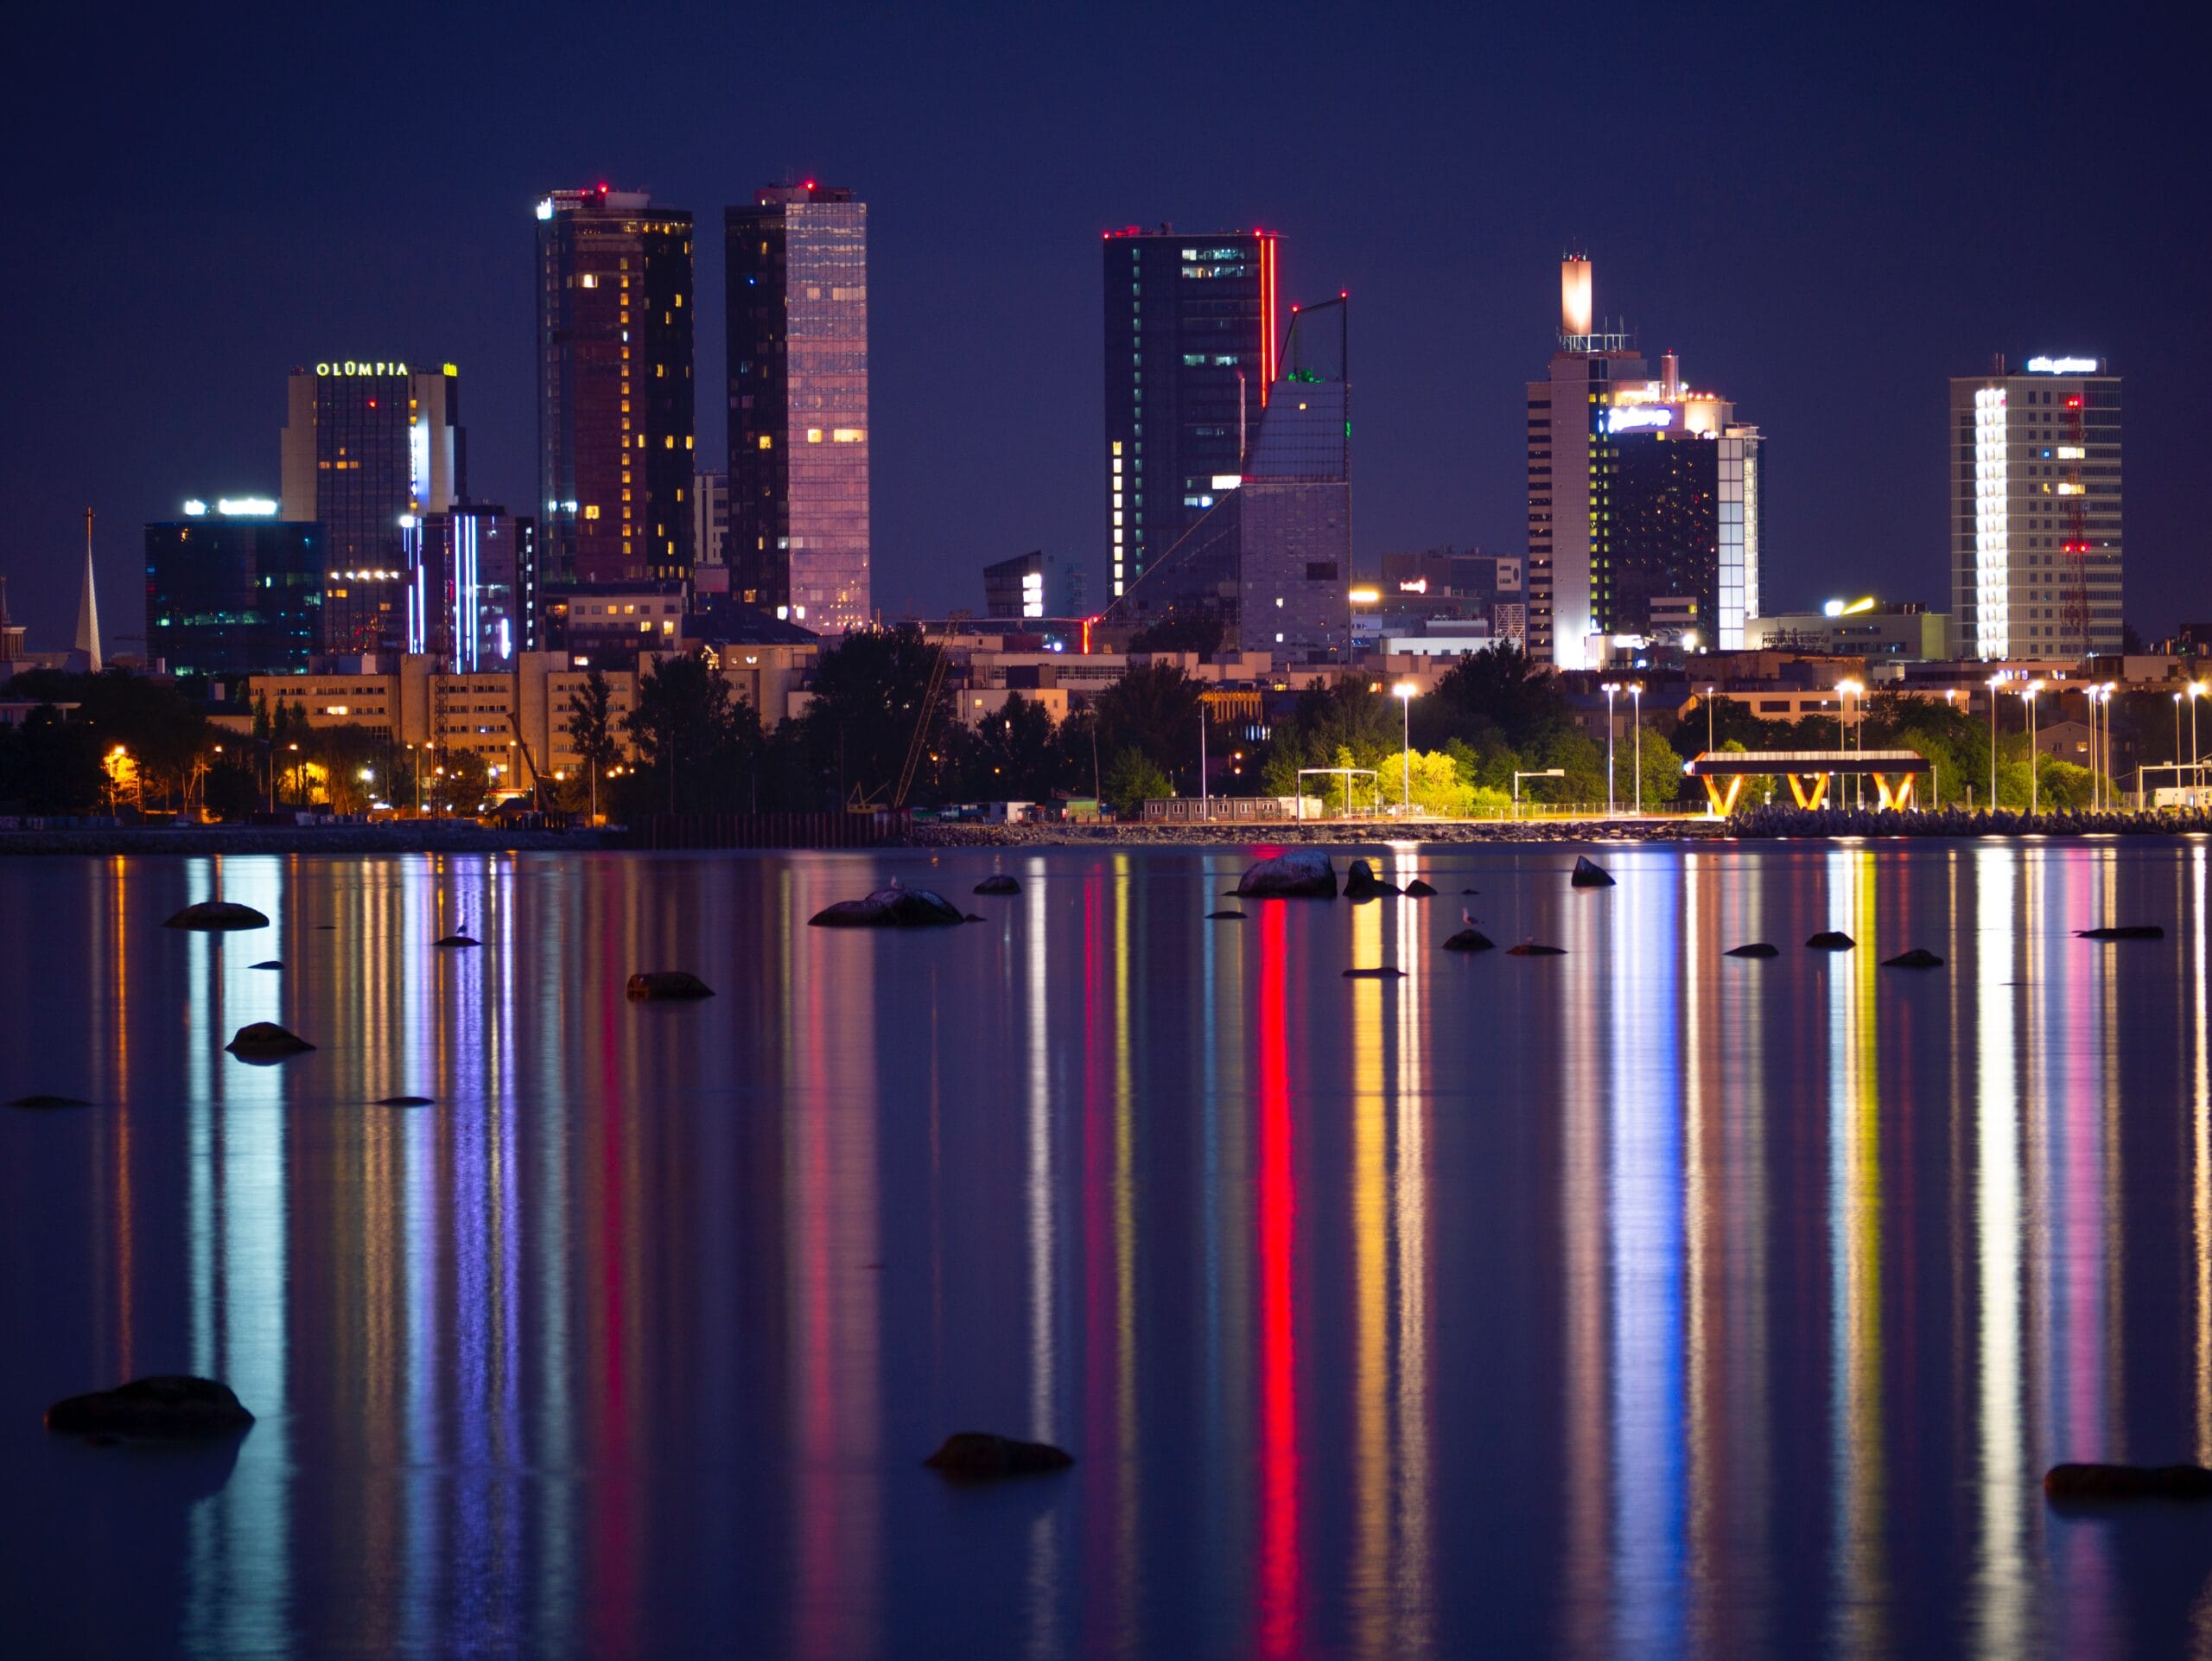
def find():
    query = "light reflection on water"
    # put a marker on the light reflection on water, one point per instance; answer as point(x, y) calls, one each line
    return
point(1637, 1302)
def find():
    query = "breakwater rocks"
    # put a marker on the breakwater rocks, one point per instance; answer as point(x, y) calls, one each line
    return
point(1772, 822)
point(396, 837)
point(1333, 833)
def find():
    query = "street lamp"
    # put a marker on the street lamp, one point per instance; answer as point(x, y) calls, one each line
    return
point(1636, 696)
point(1708, 718)
point(1846, 691)
point(1405, 690)
point(2028, 692)
point(1609, 689)
point(1996, 681)
point(2197, 690)
point(2110, 687)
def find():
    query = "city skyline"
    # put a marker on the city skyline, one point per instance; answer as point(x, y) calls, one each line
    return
point(1812, 241)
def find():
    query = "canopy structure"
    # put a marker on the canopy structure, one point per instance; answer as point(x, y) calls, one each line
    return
point(1346, 774)
point(1808, 771)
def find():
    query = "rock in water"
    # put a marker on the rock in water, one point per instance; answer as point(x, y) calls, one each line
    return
point(1831, 940)
point(1470, 940)
point(264, 1040)
point(269, 963)
point(40, 1103)
point(1919, 957)
point(1385, 974)
point(668, 983)
point(1418, 889)
point(2127, 1482)
point(1302, 874)
point(1588, 874)
point(2123, 932)
point(979, 1453)
point(998, 882)
point(1224, 917)
point(404, 1101)
point(173, 1406)
point(893, 907)
point(456, 942)
point(218, 914)
point(1530, 949)
point(1362, 883)
point(1756, 949)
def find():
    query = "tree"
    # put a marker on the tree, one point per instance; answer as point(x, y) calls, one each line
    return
point(591, 729)
point(696, 745)
point(1153, 709)
point(1501, 688)
point(1133, 781)
point(869, 692)
point(1013, 754)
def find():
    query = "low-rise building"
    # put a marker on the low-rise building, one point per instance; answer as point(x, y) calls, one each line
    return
point(1858, 628)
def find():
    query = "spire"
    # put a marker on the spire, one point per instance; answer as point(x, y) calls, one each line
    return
point(88, 607)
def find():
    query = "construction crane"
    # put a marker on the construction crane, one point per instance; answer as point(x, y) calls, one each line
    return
point(864, 801)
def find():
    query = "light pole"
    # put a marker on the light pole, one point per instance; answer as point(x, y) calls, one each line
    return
point(1405, 690)
point(1846, 691)
point(1708, 719)
point(2197, 690)
point(1609, 689)
point(1636, 696)
point(2176, 739)
point(2111, 793)
point(2028, 692)
point(1205, 802)
point(1995, 681)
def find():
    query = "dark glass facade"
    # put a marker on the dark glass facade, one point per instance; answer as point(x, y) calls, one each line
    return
point(1662, 538)
point(227, 597)
point(1190, 355)
point(616, 408)
point(799, 535)
point(472, 587)
point(367, 446)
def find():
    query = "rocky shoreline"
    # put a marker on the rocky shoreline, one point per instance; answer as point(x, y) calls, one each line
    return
point(1772, 821)
point(1337, 833)
point(408, 837)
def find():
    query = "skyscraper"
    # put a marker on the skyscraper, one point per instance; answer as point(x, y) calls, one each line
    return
point(470, 587)
point(367, 444)
point(615, 432)
point(798, 541)
point(233, 591)
point(2035, 503)
point(1190, 357)
point(1643, 499)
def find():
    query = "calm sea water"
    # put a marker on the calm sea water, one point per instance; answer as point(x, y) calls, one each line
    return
point(1639, 1302)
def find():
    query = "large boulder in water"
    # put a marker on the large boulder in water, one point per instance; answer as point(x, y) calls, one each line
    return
point(169, 1406)
point(1470, 939)
point(974, 1453)
point(1362, 883)
point(1919, 957)
point(893, 907)
point(668, 983)
point(1418, 889)
point(264, 1040)
point(2127, 1482)
point(218, 914)
point(998, 882)
point(1302, 874)
point(1588, 874)
point(1831, 940)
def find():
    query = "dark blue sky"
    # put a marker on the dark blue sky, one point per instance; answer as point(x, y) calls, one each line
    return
point(1825, 215)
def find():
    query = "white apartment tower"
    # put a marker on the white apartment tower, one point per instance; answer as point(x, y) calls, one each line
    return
point(2036, 511)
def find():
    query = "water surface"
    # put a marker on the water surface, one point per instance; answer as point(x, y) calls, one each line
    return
point(1639, 1301)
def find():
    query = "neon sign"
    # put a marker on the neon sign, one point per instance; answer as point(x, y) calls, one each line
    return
point(351, 367)
point(2062, 365)
point(1635, 415)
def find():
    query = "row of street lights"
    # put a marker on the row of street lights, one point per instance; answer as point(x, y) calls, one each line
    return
point(1635, 690)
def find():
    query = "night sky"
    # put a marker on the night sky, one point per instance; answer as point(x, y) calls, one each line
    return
point(1826, 216)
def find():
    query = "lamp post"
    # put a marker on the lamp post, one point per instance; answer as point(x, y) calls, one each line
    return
point(2197, 690)
point(1846, 691)
point(2177, 738)
point(1636, 696)
point(1405, 690)
point(2111, 791)
point(2028, 692)
point(1609, 689)
point(1708, 718)
point(1995, 681)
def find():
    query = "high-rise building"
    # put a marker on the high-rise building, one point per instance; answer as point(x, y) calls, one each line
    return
point(471, 586)
point(366, 445)
point(1190, 356)
point(1271, 559)
point(1035, 584)
point(1643, 499)
point(798, 409)
point(615, 432)
point(234, 590)
point(710, 517)
point(2035, 504)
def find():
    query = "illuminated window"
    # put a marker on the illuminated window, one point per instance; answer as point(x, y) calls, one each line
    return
point(814, 435)
point(767, 442)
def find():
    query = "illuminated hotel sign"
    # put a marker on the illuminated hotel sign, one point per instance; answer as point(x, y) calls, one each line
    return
point(239, 508)
point(2062, 365)
point(1634, 416)
point(350, 366)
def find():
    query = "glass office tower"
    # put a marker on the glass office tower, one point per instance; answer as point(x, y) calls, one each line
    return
point(799, 538)
point(615, 433)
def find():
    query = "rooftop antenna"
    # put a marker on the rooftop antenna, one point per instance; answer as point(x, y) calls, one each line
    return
point(88, 607)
